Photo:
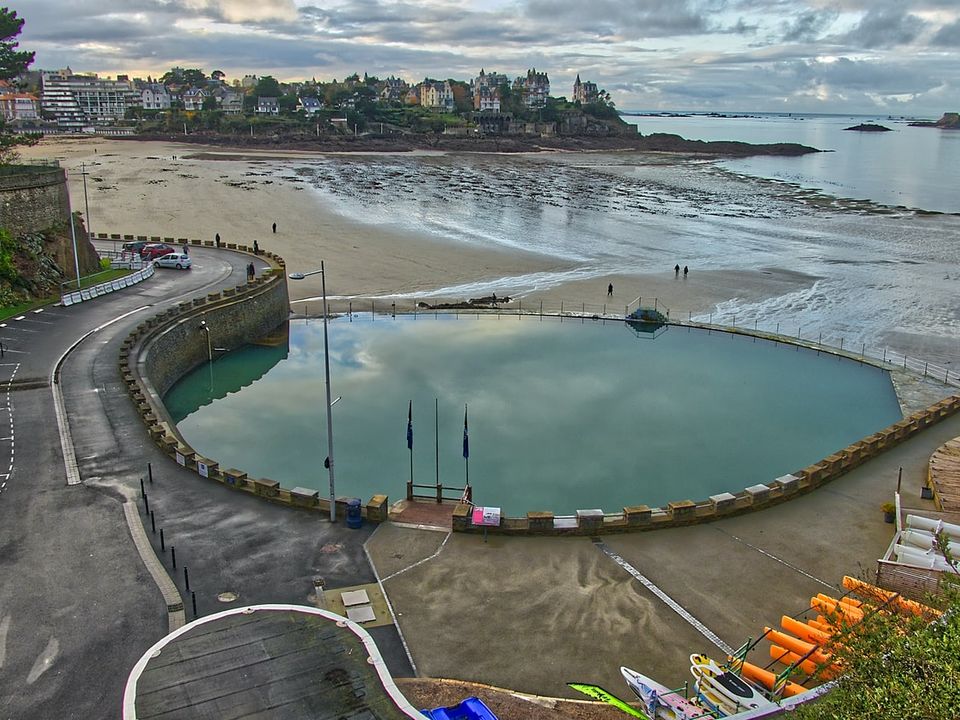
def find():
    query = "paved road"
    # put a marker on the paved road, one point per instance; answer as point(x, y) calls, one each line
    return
point(77, 606)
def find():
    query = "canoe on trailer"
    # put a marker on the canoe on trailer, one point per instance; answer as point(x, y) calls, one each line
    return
point(659, 700)
point(725, 690)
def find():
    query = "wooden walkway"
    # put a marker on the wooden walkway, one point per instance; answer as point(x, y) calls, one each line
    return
point(944, 476)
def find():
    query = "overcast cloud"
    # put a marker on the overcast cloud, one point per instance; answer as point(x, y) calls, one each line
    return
point(846, 56)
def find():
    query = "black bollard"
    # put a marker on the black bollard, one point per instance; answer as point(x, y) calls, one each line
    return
point(150, 472)
point(186, 578)
point(162, 545)
point(173, 555)
point(146, 504)
point(153, 523)
point(193, 596)
point(142, 491)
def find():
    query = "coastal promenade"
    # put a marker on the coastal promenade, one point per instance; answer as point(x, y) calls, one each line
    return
point(77, 607)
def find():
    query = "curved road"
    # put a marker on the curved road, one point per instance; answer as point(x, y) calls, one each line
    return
point(77, 605)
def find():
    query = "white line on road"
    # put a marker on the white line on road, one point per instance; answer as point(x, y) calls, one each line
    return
point(670, 602)
point(4, 628)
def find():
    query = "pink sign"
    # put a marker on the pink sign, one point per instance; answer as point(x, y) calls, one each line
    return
point(486, 516)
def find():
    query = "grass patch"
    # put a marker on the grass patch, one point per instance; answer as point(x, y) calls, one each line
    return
point(15, 310)
point(10, 311)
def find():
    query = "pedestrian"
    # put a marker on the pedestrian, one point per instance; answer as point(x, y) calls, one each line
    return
point(218, 239)
point(685, 270)
point(251, 271)
point(676, 270)
point(274, 228)
point(186, 251)
point(610, 290)
point(256, 248)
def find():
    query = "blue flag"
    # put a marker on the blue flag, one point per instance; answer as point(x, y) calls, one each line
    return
point(466, 439)
point(410, 427)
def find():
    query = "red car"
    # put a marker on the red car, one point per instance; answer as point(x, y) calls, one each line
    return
point(155, 250)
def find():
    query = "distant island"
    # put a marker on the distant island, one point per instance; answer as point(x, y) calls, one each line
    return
point(868, 127)
point(949, 121)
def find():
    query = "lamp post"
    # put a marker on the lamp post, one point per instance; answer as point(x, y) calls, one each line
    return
point(203, 326)
point(326, 371)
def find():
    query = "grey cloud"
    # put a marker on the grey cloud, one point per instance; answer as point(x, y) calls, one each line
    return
point(948, 36)
point(885, 28)
point(630, 19)
point(807, 26)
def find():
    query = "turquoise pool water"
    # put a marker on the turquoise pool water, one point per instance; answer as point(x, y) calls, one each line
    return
point(562, 415)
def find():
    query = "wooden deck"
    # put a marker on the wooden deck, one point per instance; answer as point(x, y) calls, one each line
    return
point(944, 476)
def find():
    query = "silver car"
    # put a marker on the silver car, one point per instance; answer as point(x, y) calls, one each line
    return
point(180, 261)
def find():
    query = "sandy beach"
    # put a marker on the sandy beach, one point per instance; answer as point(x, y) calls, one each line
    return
point(174, 190)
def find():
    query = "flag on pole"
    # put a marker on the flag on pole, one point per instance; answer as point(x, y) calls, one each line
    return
point(466, 439)
point(410, 427)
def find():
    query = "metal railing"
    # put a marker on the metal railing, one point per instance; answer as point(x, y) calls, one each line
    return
point(806, 337)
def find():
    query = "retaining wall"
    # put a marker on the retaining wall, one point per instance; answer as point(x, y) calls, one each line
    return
point(33, 200)
point(165, 347)
point(688, 512)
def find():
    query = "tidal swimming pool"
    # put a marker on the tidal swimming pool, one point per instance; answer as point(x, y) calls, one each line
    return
point(562, 415)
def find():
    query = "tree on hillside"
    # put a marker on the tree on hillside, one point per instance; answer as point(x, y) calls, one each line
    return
point(12, 64)
point(267, 86)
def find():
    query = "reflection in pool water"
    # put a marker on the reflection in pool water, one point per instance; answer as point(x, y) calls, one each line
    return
point(563, 415)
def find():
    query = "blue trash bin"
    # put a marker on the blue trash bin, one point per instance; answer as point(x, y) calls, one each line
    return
point(354, 515)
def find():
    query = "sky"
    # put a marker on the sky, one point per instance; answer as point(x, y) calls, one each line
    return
point(897, 57)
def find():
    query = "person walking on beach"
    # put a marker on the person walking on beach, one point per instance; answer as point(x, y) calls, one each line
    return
point(274, 228)
point(610, 290)
point(676, 270)
point(685, 270)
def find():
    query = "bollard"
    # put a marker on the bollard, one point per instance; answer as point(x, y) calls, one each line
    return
point(153, 523)
point(193, 596)
point(186, 578)
point(146, 505)
point(163, 547)
point(150, 472)
point(142, 491)
point(173, 555)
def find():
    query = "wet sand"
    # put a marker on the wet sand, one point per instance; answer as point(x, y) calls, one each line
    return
point(171, 190)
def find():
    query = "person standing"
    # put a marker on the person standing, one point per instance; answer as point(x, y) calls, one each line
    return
point(274, 228)
point(218, 239)
point(256, 248)
point(610, 290)
point(251, 271)
point(685, 271)
point(676, 270)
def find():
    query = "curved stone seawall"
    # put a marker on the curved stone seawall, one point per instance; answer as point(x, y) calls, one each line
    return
point(33, 199)
point(165, 347)
point(688, 512)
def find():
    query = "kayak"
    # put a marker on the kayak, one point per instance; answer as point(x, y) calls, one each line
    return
point(763, 677)
point(661, 701)
point(724, 689)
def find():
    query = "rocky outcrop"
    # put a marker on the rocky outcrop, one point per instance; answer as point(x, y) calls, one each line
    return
point(868, 127)
point(949, 121)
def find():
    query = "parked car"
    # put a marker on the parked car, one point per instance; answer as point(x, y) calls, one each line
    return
point(152, 251)
point(180, 261)
point(135, 247)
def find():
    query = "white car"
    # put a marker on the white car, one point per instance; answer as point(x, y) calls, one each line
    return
point(180, 261)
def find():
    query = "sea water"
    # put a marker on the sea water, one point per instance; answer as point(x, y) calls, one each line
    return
point(562, 415)
point(880, 276)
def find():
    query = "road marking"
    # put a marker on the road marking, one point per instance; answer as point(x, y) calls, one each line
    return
point(38, 311)
point(9, 409)
point(776, 559)
point(669, 601)
point(4, 628)
point(44, 661)
point(22, 317)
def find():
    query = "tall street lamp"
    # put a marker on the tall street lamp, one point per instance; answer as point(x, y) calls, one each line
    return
point(326, 371)
point(86, 203)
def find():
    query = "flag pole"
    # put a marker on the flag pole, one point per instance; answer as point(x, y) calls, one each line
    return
point(466, 447)
point(410, 437)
